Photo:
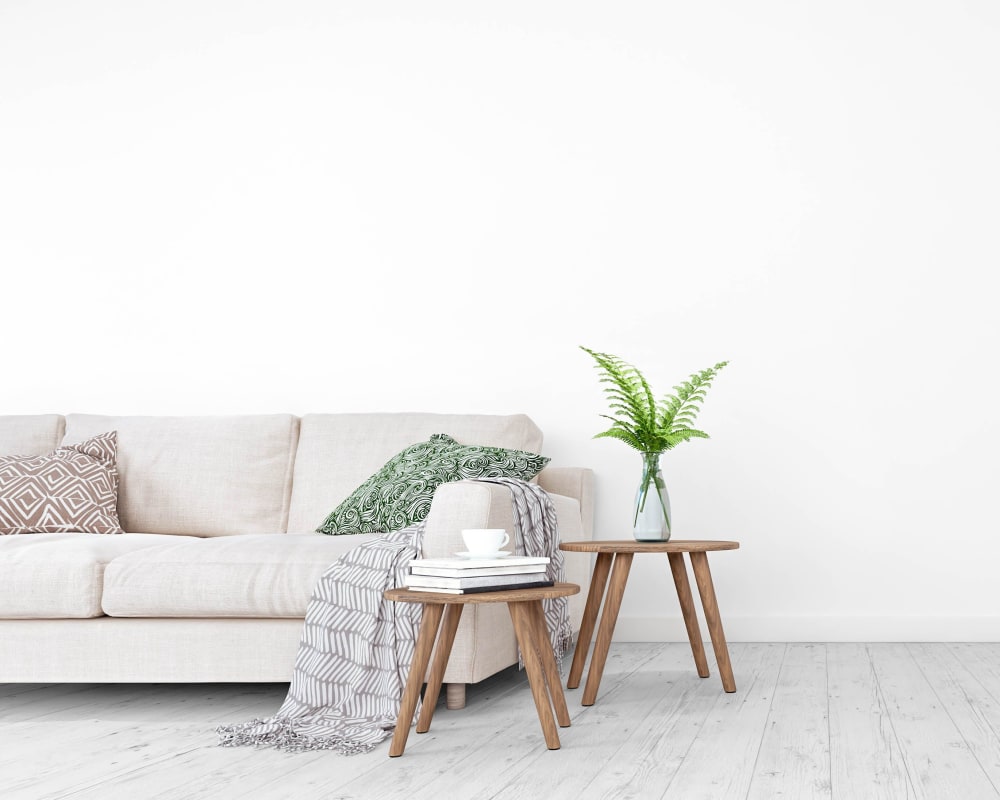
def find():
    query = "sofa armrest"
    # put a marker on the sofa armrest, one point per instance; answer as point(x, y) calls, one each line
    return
point(573, 482)
point(468, 504)
point(464, 504)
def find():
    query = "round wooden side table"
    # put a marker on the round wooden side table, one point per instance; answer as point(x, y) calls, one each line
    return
point(614, 557)
point(525, 606)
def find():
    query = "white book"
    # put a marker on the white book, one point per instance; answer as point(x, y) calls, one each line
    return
point(439, 582)
point(478, 563)
point(449, 572)
point(525, 585)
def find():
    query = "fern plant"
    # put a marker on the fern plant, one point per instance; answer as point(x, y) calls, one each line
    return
point(648, 424)
point(639, 419)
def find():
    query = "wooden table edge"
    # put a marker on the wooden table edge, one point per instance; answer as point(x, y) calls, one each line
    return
point(633, 546)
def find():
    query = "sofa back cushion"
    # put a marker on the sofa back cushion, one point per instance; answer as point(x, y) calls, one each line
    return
point(30, 435)
point(201, 476)
point(338, 452)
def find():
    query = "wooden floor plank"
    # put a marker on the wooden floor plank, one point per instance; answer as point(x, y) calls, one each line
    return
point(938, 761)
point(246, 771)
point(159, 701)
point(983, 661)
point(124, 727)
point(8, 691)
point(109, 750)
point(61, 699)
point(484, 752)
point(643, 706)
point(731, 735)
point(866, 758)
point(794, 756)
point(972, 709)
point(904, 721)
point(200, 770)
point(643, 759)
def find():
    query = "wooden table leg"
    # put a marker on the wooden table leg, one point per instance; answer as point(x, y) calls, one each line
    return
point(452, 615)
point(429, 622)
point(543, 644)
point(597, 583)
point(536, 677)
point(612, 604)
point(699, 562)
point(686, 599)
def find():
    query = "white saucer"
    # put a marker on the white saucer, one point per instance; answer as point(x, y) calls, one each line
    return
point(497, 554)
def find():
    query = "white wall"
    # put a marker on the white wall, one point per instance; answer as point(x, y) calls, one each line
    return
point(306, 206)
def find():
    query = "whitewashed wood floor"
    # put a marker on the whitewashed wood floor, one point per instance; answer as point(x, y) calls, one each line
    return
point(851, 721)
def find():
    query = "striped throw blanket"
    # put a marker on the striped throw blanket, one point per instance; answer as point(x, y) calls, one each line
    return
point(356, 646)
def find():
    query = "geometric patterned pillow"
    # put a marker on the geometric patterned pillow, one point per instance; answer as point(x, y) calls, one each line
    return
point(73, 488)
point(400, 493)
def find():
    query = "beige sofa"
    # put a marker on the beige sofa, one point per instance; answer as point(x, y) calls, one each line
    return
point(211, 581)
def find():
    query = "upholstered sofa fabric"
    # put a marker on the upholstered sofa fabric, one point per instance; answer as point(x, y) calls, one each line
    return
point(60, 575)
point(220, 488)
point(338, 452)
point(200, 476)
point(117, 650)
point(30, 434)
point(247, 576)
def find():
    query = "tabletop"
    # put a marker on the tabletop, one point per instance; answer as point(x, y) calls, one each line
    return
point(632, 546)
point(502, 596)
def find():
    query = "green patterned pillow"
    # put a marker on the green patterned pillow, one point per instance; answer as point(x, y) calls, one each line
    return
point(400, 493)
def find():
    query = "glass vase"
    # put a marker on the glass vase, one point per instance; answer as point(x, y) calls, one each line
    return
point(651, 521)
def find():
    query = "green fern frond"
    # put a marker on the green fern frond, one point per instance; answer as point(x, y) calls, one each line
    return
point(626, 386)
point(617, 422)
point(675, 437)
point(683, 405)
point(625, 436)
point(638, 418)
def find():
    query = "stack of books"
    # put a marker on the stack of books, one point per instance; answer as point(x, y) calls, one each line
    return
point(467, 575)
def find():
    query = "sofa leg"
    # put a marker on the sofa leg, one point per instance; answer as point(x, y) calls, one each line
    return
point(455, 696)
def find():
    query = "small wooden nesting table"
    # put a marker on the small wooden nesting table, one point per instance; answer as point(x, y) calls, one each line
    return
point(614, 557)
point(525, 606)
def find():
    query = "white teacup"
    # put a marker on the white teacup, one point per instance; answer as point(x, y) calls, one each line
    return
point(484, 541)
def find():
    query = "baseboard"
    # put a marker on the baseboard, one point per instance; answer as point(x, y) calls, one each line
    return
point(818, 629)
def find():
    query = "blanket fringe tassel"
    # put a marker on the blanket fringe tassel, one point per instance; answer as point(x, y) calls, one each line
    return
point(282, 734)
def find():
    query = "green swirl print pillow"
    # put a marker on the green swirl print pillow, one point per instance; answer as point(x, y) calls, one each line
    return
point(400, 493)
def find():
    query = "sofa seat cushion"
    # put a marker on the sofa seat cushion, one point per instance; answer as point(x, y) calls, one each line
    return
point(60, 575)
point(256, 575)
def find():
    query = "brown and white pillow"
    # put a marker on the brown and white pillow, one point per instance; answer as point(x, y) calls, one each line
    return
point(72, 489)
